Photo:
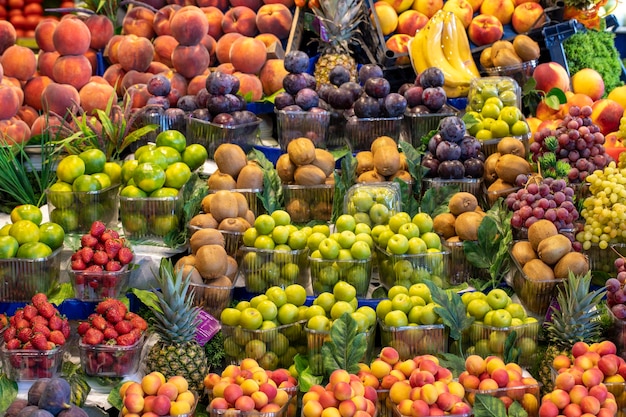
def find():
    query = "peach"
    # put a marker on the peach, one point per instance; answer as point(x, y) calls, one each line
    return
point(587, 81)
point(399, 44)
point(327, 399)
point(380, 368)
point(268, 39)
point(462, 9)
point(33, 90)
point(19, 62)
point(572, 410)
point(311, 408)
point(214, 17)
point(249, 85)
point(190, 61)
point(134, 78)
point(148, 404)
point(475, 365)
point(101, 29)
point(161, 405)
point(92, 58)
point(275, 19)
point(260, 376)
point(210, 44)
point(577, 393)
point(247, 55)
point(282, 398)
point(14, 130)
point(138, 21)
point(420, 408)
point(28, 114)
point(252, 4)
point(485, 29)
point(460, 408)
point(590, 405)
point(564, 381)
point(133, 403)
point(135, 53)
point(114, 75)
point(608, 364)
point(10, 102)
point(343, 391)
point(232, 392)
point(163, 47)
point(220, 4)
point(488, 384)
point(501, 376)
point(161, 21)
point(157, 67)
point(600, 392)
point(592, 377)
point(178, 408)
point(386, 16)
point(260, 399)
point(219, 403)
point(189, 25)
point(560, 398)
point(527, 16)
point(211, 379)
point(245, 403)
point(74, 70)
point(549, 75)
point(500, 9)
point(110, 51)
point(71, 37)
point(240, 19)
point(95, 95)
point(444, 374)
point(607, 114)
point(43, 34)
point(548, 409)
point(410, 21)
point(406, 367)
point(398, 374)
point(427, 7)
point(607, 347)
point(169, 390)
point(222, 50)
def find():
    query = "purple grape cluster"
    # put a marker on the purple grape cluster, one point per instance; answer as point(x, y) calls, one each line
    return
point(579, 142)
point(616, 290)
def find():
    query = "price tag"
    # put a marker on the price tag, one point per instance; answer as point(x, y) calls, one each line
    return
point(208, 326)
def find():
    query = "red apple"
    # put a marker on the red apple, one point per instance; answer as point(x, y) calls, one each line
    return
point(410, 21)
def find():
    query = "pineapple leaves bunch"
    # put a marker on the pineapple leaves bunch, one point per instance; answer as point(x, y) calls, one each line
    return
point(577, 319)
point(175, 321)
point(338, 24)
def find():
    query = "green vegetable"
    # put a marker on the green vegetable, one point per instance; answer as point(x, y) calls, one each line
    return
point(8, 388)
point(214, 350)
point(343, 183)
point(594, 49)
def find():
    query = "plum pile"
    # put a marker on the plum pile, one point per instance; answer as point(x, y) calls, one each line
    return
point(426, 95)
point(300, 87)
point(47, 397)
point(616, 290)
point(452, 153)
point(577, 141)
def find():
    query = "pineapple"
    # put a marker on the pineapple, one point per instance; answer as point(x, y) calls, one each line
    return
point(576, 320)
point(338, 20)
point(175, 322)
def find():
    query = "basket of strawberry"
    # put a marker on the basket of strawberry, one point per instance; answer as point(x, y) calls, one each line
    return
point(102, 266)
point(111, 340)
point(34, 340)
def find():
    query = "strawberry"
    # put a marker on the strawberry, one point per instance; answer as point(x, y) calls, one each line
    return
point(86, 254)
point(78, 265)
point(104, 360)
point(128, 339)
point(40, 328)
point(109, 281)
point(11, 333)
point(57, 338)
point(39, 298)
point(105, 304)
point(93, 337)
point(113, 266)
point(99, 323)
point(100, 257)
point(55, 322)
point(109, 234)
point(39, 341)
point(99, 246)
point(125, 255)
point(112, 247)
point(22, 323)
point(30, 311)
point(39, 320)
point(88, 241)
point(47, 310)
point(24, 334)
point(114, 316)
point(97, 229)
point(94, 268)
point(76, 255)
point(28, 345)
point(137, 333)
point(123, 327)
point(139, 323)
point(83, 327)
point(19, 315)
point(110, 333)
point(65, 329)
point(13, 344)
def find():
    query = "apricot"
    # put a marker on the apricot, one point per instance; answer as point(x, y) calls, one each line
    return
point(10, 102)
point(43, 34)
point(589, 82)
point(163, 47)
point(101, 29)
point(189, 25)
point(190, 60)
point(114, 75)
point(71, 37)
point(14, 131)
point(272, 75)
point(19, 62)
point(135, 53)
point(62, 99)
point(33, 90)
point(110, 50)
point(214, 17)
point(196, 84)
point(138, 21)
point(249, 84)
point(96, 95)
point(248, 55)
point(224, 43)
point(74, 70)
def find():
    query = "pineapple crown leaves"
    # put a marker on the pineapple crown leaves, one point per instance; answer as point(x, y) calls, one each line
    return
point(338, 20)
point(346, 346)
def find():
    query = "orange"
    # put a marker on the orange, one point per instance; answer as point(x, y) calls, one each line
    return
point(70, 168)
point(66, 218)
point(172, 138)
point(26, 212)
point(195, 156)
point(114, 171)
point(128, 168)
point(154, 157)
point(149, 177)
point(133, 191)
point(86, 183)
point(171, 154)
point(8, 247)
point(52, 235)
point(60, 195)
point(94, 160)
point(177, 175)
point(24, 231)
point(34, 250)
point(103, 179)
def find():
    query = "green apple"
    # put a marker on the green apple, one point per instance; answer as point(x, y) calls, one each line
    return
point(344, 256)
point(339, 308)
point(249, 236)
point(290, 272)
point(280, 234)
point(478, 308)
point(414, 314)
point(360, 250)
point(277, 295)
point(359, 278)
point(343, 291)
point(281, 218)
point(416, 300)
point(516, 322)
point(264, 242)
point(402, 302)
point(230, 316)
point(416, 245)
point(377, 230)
point(397, 289)
point(251, 319)
point(270, 271)
point(496, 341)
point(398, 244)
point(361, 321)
point(345, 222)
point(346, 239)
point(383, 308)
point(329, 248)
point(296, 294)
point(316, 254)
point(428, 315)
point(527, 346)
point(379, 213)
point(501, 318)
point(242, 305)
point(307, 230)
point(315, 310)
point(282, 254)
point(362, 218)
point(319, 323)
point(264, 224)
point(367, 238)
point(297, 240)
point(383, 238)
point(423, 221)
point(498, 298)
point(409, 230)
point(328, 276)
point(398, 220)
point(314, 240)
point(370, 313)
point(321, 228)
point(362, 228)
point(466, 297)
point(432, 240)
point(268, 310)
point(254, 301)
point(403, 270)
point(421, 290)
point(396, 318)
point(288, 313)
point(487, 319)
point(362, 201)
point(517, 311)
point(326, 300)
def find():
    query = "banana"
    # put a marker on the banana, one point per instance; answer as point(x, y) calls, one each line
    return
point(416, 54)
point(450, 44)
point(459, 91)
point(465, 52)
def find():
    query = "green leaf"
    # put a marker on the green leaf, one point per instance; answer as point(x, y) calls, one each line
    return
point(272, 194)
point(436, 199)
point(558, 93)
point(149, 298)
point(455, 363)
point(470, 120)
point(306, 378)
point(516, 410)
point(60, 293)
point(529, 85)
point(413, 159)
point(8, 388)
point(488, 406)
point(451, 309)
point(114, 397)
point(346, 346)
point(73, 373)
point(510, 354)
point(343, 182)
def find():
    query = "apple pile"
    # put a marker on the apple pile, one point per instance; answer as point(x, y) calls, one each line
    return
point(587, 384)
point(248, 387)
point(345, 394)
point(507, 382)
point(404, 306)
point(372, 204)
point(268, 328)
point(156, 395)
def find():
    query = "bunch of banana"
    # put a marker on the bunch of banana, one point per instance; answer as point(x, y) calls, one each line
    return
point(443, 43)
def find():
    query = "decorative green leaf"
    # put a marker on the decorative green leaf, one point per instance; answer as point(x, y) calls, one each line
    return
point(343, 182)
point(306, 379)
point(516, 410)
point(558, 93)
point(488, 406)
point(80, 388)
point(552, 102)
point(451, 309)
point(346, 346)
point(8, 388)
point(470, 120)
point(60, 293)
point(436, 199)
point(114, 397)
point(510, 354)
point(149, 298)
point(413, 159)
point(455, 363)
point(529, 85)
point(272, 194)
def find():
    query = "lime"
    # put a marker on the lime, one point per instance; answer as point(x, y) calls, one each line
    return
point(86, 183)
point(487, 121)
point(114, 171)
point(52, 235)
point(4, 230)
point(134, 223)
point(25, 231)
point(195, 155)
point(163, 224)
point(132, 191)
point(172, 138)
point(26, 212)
point(508, 98)
point(60, 194)
point(149, 177)
point(66, 218)
point(164, 192)
point(510, 114)
point(171, 154)
point(128, 168)
point(90, 213)
point(144, 148)
point(154, 157)
point(8, 247)
point(103, 179)
point(70, 168)
point(475, 128)
point(94, 160)
point(177, 175)
point(476, 102)
point(34, 250)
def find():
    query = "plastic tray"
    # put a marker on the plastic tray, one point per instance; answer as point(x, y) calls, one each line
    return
point(31, 365)
point(95, 286)
point(411, 341)
point(468, 185)
point(212, 135)
point(490, 146)
point(386, 193)
point(305, 203)
point(20, 279)
point(414, 126)
point(151, 218)
point(433, 266)
point(264, 268)
point(212, 298)
point(515, 393)
point(604, 259)
point(360, 133)
point(519, 72)
point(325, 273)
point(298, 124)
point(460, 269)
point(110, 360)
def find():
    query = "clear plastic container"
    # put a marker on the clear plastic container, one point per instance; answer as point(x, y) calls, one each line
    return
point(411, 341)
point(397, 413)
point(282, 412)
point(416, 125)
point(325, 273)
point(490, 146)
point(212, 135)
point(496, 85)
point(305, 203)
point(212, 298)
point(604, 259)
point(151, 218)
point(95, 286)
point(360, 198)
point(460, 269)
point(409, 269)
point(110, 360)
point(315, 341)
point(519, 72)
point(232, 240)
point(264, 268)
point(468, 185)
point(360, 133)
point(20, 279)
point(31, 365)
point(302, 124)
point(516, 393)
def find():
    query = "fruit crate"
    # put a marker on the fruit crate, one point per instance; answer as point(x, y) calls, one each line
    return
point(264, 268)
point(325, 273)
point(315, 340)
point(397, 413)
point(291, 125)
point(604, 259)
point(20, 279)
point(75, 211)
point(468, 185)
point(416, 125)
point(282, 412)
point(272, 348)
point(110, 360)
point(212, 135)
point(98, 285)
point(526, 395)
point(150, 219)
point(306, 203)
point(232, 240)
point(460, 269)
point(484, 340)
point(252, 197)
point(31, 365)
point(212, 298)
point(360, 133)
point(416, 268)
point(411, 341)
point(519, 72)
point(490, 146)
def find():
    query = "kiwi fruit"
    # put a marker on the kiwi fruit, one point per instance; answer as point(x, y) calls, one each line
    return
point(321, 210)
point(574, 262)
point(496, 189)
point(221, 181)
point(230, 159)
point(324, 160)
point(232, 268)
point(206, 203)
point(301, 151)
point(404, 165)
point(205, 237)
point(203, 221)
point(242, 204)
point(299, 210)
point(403, 175)
point(490, 167)
point(537, 270)
point(223, 205)
point(539, 231)
point(370, 176)
point(364, 162)
point(185, 260)
point(466, 225)
point(387, 160)
point(510, 145)
point(523, 252)
point(485, 58)
point(250, 177)
point(250, 216)
point(211, 261)
point(234, 224)
point(443, 225)
point(309, 175)
point(285, 169)
point(553, 248)
point(192, 272)
point(330, 180)
point(462, 202)
point(381, 141)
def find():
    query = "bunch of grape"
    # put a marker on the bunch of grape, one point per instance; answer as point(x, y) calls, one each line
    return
point(577, 141)
point(550, 199)
point(616, 290)
point(604, 210)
